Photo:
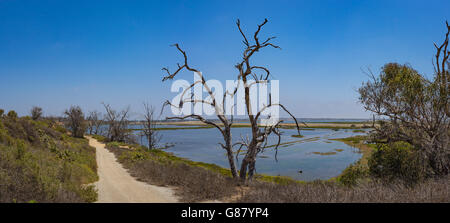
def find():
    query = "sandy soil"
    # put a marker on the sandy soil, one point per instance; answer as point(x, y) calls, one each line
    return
point(116, 185)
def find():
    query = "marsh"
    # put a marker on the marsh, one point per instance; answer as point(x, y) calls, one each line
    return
point(298, 158)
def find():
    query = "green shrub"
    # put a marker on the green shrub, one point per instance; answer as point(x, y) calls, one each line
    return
point(1, 112)
point(60, 129)
point(113, 144)
point(39, 164)
point(134, 156)
point(100, 138)
point(89, 193)
point(12, 115)
point(398, 160)
point(353, 174)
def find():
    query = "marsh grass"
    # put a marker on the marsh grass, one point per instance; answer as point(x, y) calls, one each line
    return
point(433, 190)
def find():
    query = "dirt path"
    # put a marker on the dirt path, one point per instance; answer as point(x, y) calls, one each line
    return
point(116, 185)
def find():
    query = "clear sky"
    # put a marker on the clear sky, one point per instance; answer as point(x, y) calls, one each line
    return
point(57, 53)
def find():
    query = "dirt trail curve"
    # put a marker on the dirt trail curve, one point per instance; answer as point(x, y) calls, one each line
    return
point(116, 185)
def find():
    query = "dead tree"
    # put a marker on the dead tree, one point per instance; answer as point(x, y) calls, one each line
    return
point(95, 121)
point(117, 124)
point(417, 108)
point(149, 126)
point(441, 67)
point(247, 72)
point(36, 113)
point(226, 123)
point(75, 121)
point(90, 125)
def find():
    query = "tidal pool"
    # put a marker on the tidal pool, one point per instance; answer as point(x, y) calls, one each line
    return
point(315, 155)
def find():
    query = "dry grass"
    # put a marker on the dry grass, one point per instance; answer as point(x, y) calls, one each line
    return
point(192, 183)
point(330, 192)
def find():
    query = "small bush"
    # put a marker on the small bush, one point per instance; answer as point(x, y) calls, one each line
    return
point(1, 112)
point(60, 129)
point(12, 115)
point(353, 174)
point(100, 138)
point(398, 160)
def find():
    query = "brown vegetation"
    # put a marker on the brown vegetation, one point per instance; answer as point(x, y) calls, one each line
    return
point(149, 127)
point(193, 183)
point(330, 192)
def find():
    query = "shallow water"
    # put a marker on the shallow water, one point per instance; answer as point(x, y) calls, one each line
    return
point(294, 155)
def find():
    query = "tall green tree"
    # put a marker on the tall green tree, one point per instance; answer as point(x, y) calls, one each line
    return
point(416, 108)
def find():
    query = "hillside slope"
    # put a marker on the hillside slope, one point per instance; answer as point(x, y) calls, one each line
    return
point(40, 162)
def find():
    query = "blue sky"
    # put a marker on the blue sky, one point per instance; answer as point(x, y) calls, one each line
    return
point(57, 53)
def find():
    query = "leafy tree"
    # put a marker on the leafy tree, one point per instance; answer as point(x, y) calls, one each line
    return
point(36, 113)
point(75, 121)
point(416, 108)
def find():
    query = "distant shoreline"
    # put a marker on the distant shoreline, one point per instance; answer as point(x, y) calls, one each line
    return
point(347, 125)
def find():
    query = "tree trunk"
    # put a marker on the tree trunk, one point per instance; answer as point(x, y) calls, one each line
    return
point(243, 172)
point(248, 163)
point(232, 165)
point(251, 169)
point(229, 149)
